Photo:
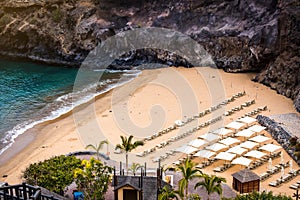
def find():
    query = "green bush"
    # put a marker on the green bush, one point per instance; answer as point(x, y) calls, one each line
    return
point(93, 179)
point(263, 195)
point(4, 20)
point(57, 15)
point(54, 174)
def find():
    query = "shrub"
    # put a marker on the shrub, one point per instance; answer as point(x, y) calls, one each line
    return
point(93, 179)
point(54, 174)
point(4, 20)
point(57, 15)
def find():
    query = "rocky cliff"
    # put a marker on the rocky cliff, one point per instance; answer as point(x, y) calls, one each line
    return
point(241, 35)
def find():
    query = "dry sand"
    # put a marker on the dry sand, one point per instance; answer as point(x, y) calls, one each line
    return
point(149, 103)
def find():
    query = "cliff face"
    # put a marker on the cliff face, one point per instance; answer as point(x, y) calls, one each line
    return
point(241, 35)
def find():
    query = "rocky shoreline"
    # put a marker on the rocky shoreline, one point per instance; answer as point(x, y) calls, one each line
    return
point(241, 35)
point(280, 134)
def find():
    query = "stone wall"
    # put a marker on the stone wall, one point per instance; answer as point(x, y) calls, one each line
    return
point(281, 135)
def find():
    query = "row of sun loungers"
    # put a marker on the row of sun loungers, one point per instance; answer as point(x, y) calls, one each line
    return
point(255, 111)
point(295, 186)
point(201, 114)
point(183, 135)
point(274, 170)
point(222, 168)
point(205, 164)
point(286, 178)
point(263, 160)
point(238, 108)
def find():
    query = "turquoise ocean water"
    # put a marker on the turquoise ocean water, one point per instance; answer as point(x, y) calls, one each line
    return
point(33, 93)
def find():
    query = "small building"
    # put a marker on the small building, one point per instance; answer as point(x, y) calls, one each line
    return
point(141, 187)
point(245, 181)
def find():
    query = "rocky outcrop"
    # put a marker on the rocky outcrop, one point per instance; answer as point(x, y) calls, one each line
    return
point(241, 35)
point(280, 134)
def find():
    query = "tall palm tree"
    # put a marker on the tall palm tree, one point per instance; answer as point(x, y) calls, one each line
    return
point(127, 146)
point(189, 172)
point(98, 147)
point(211, 184)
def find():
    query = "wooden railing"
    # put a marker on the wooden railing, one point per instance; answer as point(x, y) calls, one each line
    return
point(23, 192)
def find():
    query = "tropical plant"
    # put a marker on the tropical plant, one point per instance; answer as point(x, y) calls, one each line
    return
point(211, 184)
point(135, 167)
point(54, 174)
point(127, 146)
point(166, 193)
point(189, 172)
point(98, 147)
point(93, 179)
point(262, 196)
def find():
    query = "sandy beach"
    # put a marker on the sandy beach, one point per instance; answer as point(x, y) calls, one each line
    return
point(151, 102)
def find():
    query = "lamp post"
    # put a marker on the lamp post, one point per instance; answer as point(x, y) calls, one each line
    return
point(296, 195)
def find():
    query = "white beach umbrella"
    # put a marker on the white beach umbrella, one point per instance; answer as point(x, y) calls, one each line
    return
point(241, 161)
point(204, 153)
point(225, 156)
point(186, 149)
point(222, 131)
point(257, 128)
point(248, 144)
point(235, 125)
point(282, 171)
point(229, 141)
point(281, 158)
point(260, 139)
point(270, 164)
point(216, 147)
point(247, 120)
point(245, 133)
point(255, 154)
point(270, 148)
point(236, 150)
point(209, 137)
point(197, 143)
point(291, 166)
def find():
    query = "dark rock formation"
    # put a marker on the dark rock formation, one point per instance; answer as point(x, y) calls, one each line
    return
point(280, 134)
point(241, 35)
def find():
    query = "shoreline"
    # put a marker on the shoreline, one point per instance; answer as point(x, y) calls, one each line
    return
point(135, 102)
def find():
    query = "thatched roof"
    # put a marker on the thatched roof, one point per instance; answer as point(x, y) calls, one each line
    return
point(245, 176)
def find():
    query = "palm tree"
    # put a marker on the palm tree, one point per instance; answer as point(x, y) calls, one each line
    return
point(211, 184)
point(134, 167)
point(98, 147)
point(189, 172)
point(127, 146)
point(168, 194)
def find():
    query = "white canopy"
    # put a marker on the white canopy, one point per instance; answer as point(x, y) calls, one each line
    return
point(209, 137)
point(197, 143)
point(255, 154)
point(236, 150)
point(247, 120)
point(229, 141)
point(248, 144)
point(235, 125)
point(225, 156)
point(186, 149)
point(245, 133)
point(241, 161)
point(270, 147)
point(222, 131)
point(259, 138)
point(216, 147)
point(257, 128)
point(204, 153)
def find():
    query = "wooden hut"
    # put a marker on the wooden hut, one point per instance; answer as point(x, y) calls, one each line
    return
point(245, 181)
